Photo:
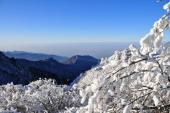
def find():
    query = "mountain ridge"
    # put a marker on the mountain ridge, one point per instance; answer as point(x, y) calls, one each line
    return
point(23, 71)
point(34, 56)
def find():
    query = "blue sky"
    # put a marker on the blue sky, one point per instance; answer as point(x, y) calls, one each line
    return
point(39, 22)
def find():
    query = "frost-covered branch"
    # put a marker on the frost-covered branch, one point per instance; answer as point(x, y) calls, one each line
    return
point(132, 78)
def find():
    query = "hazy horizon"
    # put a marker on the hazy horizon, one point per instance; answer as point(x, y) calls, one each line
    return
point(97, 49)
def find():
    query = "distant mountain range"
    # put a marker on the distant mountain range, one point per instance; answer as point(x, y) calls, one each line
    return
point(33, 56)
point(23, 71)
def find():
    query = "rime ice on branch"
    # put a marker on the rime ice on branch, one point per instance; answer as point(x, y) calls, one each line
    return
point(151, 43)
point(132, 80)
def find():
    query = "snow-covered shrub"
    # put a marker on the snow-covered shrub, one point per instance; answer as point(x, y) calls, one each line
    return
point(42, 96)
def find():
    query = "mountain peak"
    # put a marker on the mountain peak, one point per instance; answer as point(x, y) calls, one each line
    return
point(79, 58)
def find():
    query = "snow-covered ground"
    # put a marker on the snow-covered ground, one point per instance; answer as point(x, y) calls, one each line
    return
point(135, 80)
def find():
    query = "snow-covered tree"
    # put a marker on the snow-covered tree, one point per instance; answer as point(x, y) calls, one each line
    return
point(132, 80)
